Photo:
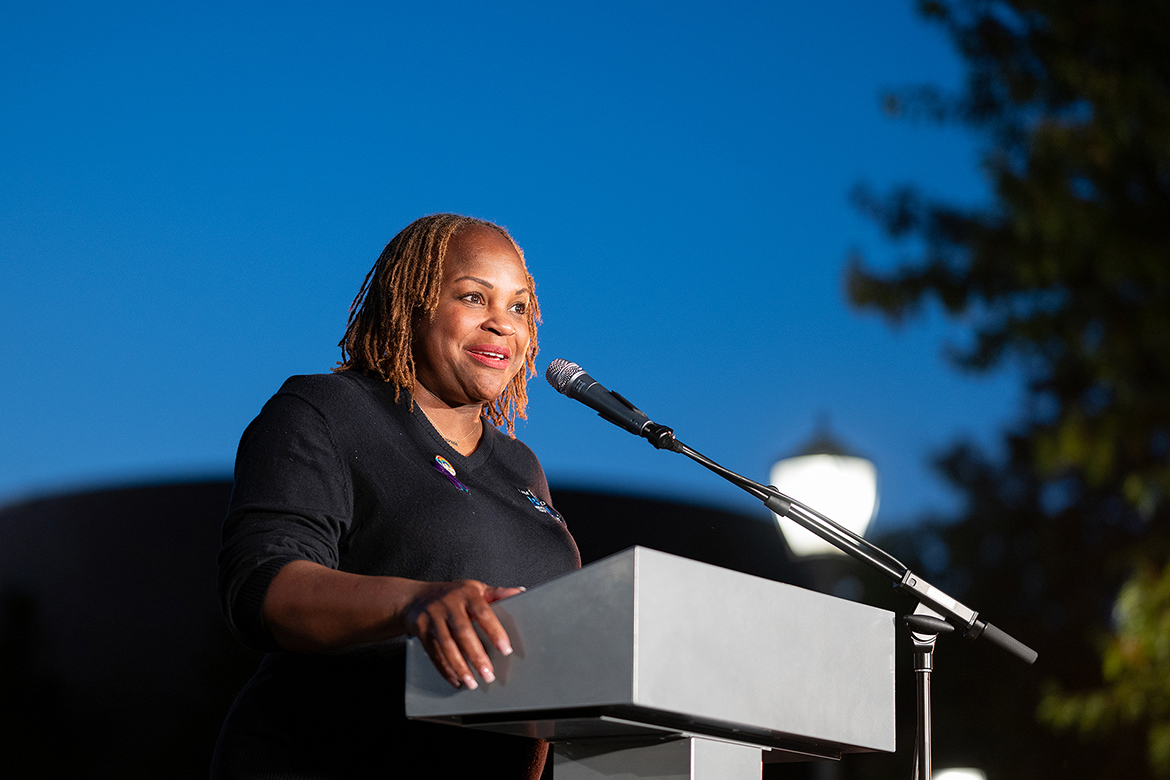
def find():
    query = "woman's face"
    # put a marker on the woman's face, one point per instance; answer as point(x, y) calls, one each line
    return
point(477, 340)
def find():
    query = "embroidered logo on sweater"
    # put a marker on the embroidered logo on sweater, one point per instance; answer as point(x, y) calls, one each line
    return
point(543, 507)
point(443, 466)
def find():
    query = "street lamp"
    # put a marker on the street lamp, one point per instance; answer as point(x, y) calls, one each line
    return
point(838, 484)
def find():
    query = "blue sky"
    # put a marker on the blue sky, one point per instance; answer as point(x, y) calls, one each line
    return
point(194, 192)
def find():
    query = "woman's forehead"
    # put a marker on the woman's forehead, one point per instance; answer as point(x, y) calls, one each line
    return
point(484, 252)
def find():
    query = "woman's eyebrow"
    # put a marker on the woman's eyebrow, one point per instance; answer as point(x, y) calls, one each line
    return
point(477, 280)
point(488, 284)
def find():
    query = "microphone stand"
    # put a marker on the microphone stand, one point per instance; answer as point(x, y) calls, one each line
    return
point(936, 612)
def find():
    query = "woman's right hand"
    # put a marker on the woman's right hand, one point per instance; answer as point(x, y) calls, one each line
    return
point(310, 608)
point(443, 616)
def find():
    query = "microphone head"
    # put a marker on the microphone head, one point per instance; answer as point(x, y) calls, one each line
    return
point(559, 373)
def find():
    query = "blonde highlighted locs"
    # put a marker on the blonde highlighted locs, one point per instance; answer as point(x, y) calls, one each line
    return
point(402, 287)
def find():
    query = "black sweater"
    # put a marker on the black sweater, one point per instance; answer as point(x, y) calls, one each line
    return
point(333, 471)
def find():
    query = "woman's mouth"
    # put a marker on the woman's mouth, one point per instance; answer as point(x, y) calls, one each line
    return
point(491, 356)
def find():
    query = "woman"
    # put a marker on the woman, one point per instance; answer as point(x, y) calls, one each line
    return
point(381, 502)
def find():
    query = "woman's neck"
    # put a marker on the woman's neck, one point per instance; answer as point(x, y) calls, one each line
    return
point(460, 426)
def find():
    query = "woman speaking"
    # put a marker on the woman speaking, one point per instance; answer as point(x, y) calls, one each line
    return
point(380, 502)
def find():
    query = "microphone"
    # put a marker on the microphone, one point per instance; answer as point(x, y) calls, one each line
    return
point(571, 380)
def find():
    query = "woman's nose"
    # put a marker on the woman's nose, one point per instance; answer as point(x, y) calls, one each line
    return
point(498, 323)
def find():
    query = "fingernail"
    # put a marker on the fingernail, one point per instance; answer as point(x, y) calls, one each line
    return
point(470, 682)
point(504, 648)
point(522, 588)
point(486, 674)
point(454, 683)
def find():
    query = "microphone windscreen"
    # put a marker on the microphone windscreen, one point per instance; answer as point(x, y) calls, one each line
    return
point(560, 372)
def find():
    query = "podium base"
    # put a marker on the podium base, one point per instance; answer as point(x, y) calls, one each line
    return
point(689, 758)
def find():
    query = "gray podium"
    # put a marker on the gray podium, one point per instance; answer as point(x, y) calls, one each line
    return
point(647, 665)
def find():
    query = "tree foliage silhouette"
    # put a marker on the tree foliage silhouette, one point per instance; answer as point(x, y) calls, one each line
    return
point(1066, 273)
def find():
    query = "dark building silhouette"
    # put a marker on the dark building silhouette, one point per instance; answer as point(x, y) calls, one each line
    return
point(115, 662)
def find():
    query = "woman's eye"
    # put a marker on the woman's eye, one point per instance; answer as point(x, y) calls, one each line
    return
point(473, 297)
point(520, 308)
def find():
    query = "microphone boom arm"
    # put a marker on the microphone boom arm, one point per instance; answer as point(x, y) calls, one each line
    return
point(960, 616)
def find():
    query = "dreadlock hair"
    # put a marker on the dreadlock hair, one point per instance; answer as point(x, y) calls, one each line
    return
point(403, 286)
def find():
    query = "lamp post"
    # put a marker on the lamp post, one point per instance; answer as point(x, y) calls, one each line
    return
point(843, 487)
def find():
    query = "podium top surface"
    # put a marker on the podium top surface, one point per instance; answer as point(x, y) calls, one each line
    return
point(647, 637)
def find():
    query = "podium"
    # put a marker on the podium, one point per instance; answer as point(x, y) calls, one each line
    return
point(649, 665)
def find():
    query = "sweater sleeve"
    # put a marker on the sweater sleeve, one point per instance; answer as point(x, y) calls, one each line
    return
point(292, 500)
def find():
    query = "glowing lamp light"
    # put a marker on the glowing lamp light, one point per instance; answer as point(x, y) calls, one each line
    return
point(840, 486)
point(959, 773)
